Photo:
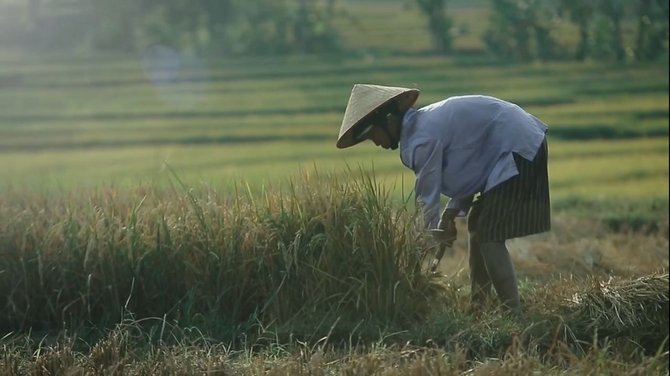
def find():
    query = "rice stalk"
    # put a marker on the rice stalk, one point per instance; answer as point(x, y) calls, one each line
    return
point(633, 308)
point(321, 248)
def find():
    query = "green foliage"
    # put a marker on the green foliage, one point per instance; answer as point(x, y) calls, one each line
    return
point(602, 26)
point(520, 30)
point(525, 30)
point(439, 25)
point(652, 29)
point(212, 27)
point(608, 38)
point(517, 29)
point(581, 13)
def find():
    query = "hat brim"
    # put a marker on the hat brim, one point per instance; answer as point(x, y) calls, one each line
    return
point(405, 100)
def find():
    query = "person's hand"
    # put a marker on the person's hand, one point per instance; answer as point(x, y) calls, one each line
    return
point(446, 233)
point(446, 227)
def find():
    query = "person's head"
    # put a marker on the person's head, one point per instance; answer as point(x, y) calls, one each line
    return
point(383, 128)
point(375, 113)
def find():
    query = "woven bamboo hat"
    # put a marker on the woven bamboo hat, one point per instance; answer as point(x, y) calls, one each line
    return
point(364, 103)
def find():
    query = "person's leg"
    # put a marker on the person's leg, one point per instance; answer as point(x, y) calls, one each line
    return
point(501, 271)
point(480, 282)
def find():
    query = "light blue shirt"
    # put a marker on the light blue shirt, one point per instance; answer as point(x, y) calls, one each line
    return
point(462, 146)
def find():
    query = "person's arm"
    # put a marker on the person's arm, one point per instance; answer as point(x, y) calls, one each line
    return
point(428, 185)
point(460, 207)
point(455, 208)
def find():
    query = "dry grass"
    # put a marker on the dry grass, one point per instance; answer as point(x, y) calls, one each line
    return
point(120, 354)
point(623, 308)
point(578, 247)
point(321, 277)
point(341, 251)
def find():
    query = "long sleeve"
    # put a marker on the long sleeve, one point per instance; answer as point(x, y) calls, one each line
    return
point(427, 164)
point(464, 145)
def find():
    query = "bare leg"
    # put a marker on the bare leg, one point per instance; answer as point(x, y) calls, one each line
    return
point(501, 270)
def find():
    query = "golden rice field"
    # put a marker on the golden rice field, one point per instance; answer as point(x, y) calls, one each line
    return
point(167, 214)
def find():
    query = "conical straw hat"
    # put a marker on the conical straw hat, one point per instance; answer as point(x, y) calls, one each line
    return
point(363, 102)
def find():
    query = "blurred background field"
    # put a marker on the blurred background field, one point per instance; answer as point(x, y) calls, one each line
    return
point(101, 123)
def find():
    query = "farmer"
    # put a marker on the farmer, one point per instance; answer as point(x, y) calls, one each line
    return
point(487, 155)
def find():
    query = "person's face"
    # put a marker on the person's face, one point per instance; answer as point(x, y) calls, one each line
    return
point(385, 133)
point(379, 135)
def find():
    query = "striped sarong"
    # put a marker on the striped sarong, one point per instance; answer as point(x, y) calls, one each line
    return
point(517, 207)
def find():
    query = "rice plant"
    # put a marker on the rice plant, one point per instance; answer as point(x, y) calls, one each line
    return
point(320, 274)
point(328, 250)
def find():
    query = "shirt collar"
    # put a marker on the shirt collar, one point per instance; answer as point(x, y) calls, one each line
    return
point(409, 116)
point(407, 126)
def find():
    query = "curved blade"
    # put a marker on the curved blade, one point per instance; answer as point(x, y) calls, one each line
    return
point(438, 256)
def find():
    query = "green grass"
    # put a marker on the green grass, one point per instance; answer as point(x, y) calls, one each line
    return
point(99, 123)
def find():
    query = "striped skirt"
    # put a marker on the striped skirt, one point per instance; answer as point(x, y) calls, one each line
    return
point(517, 207)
